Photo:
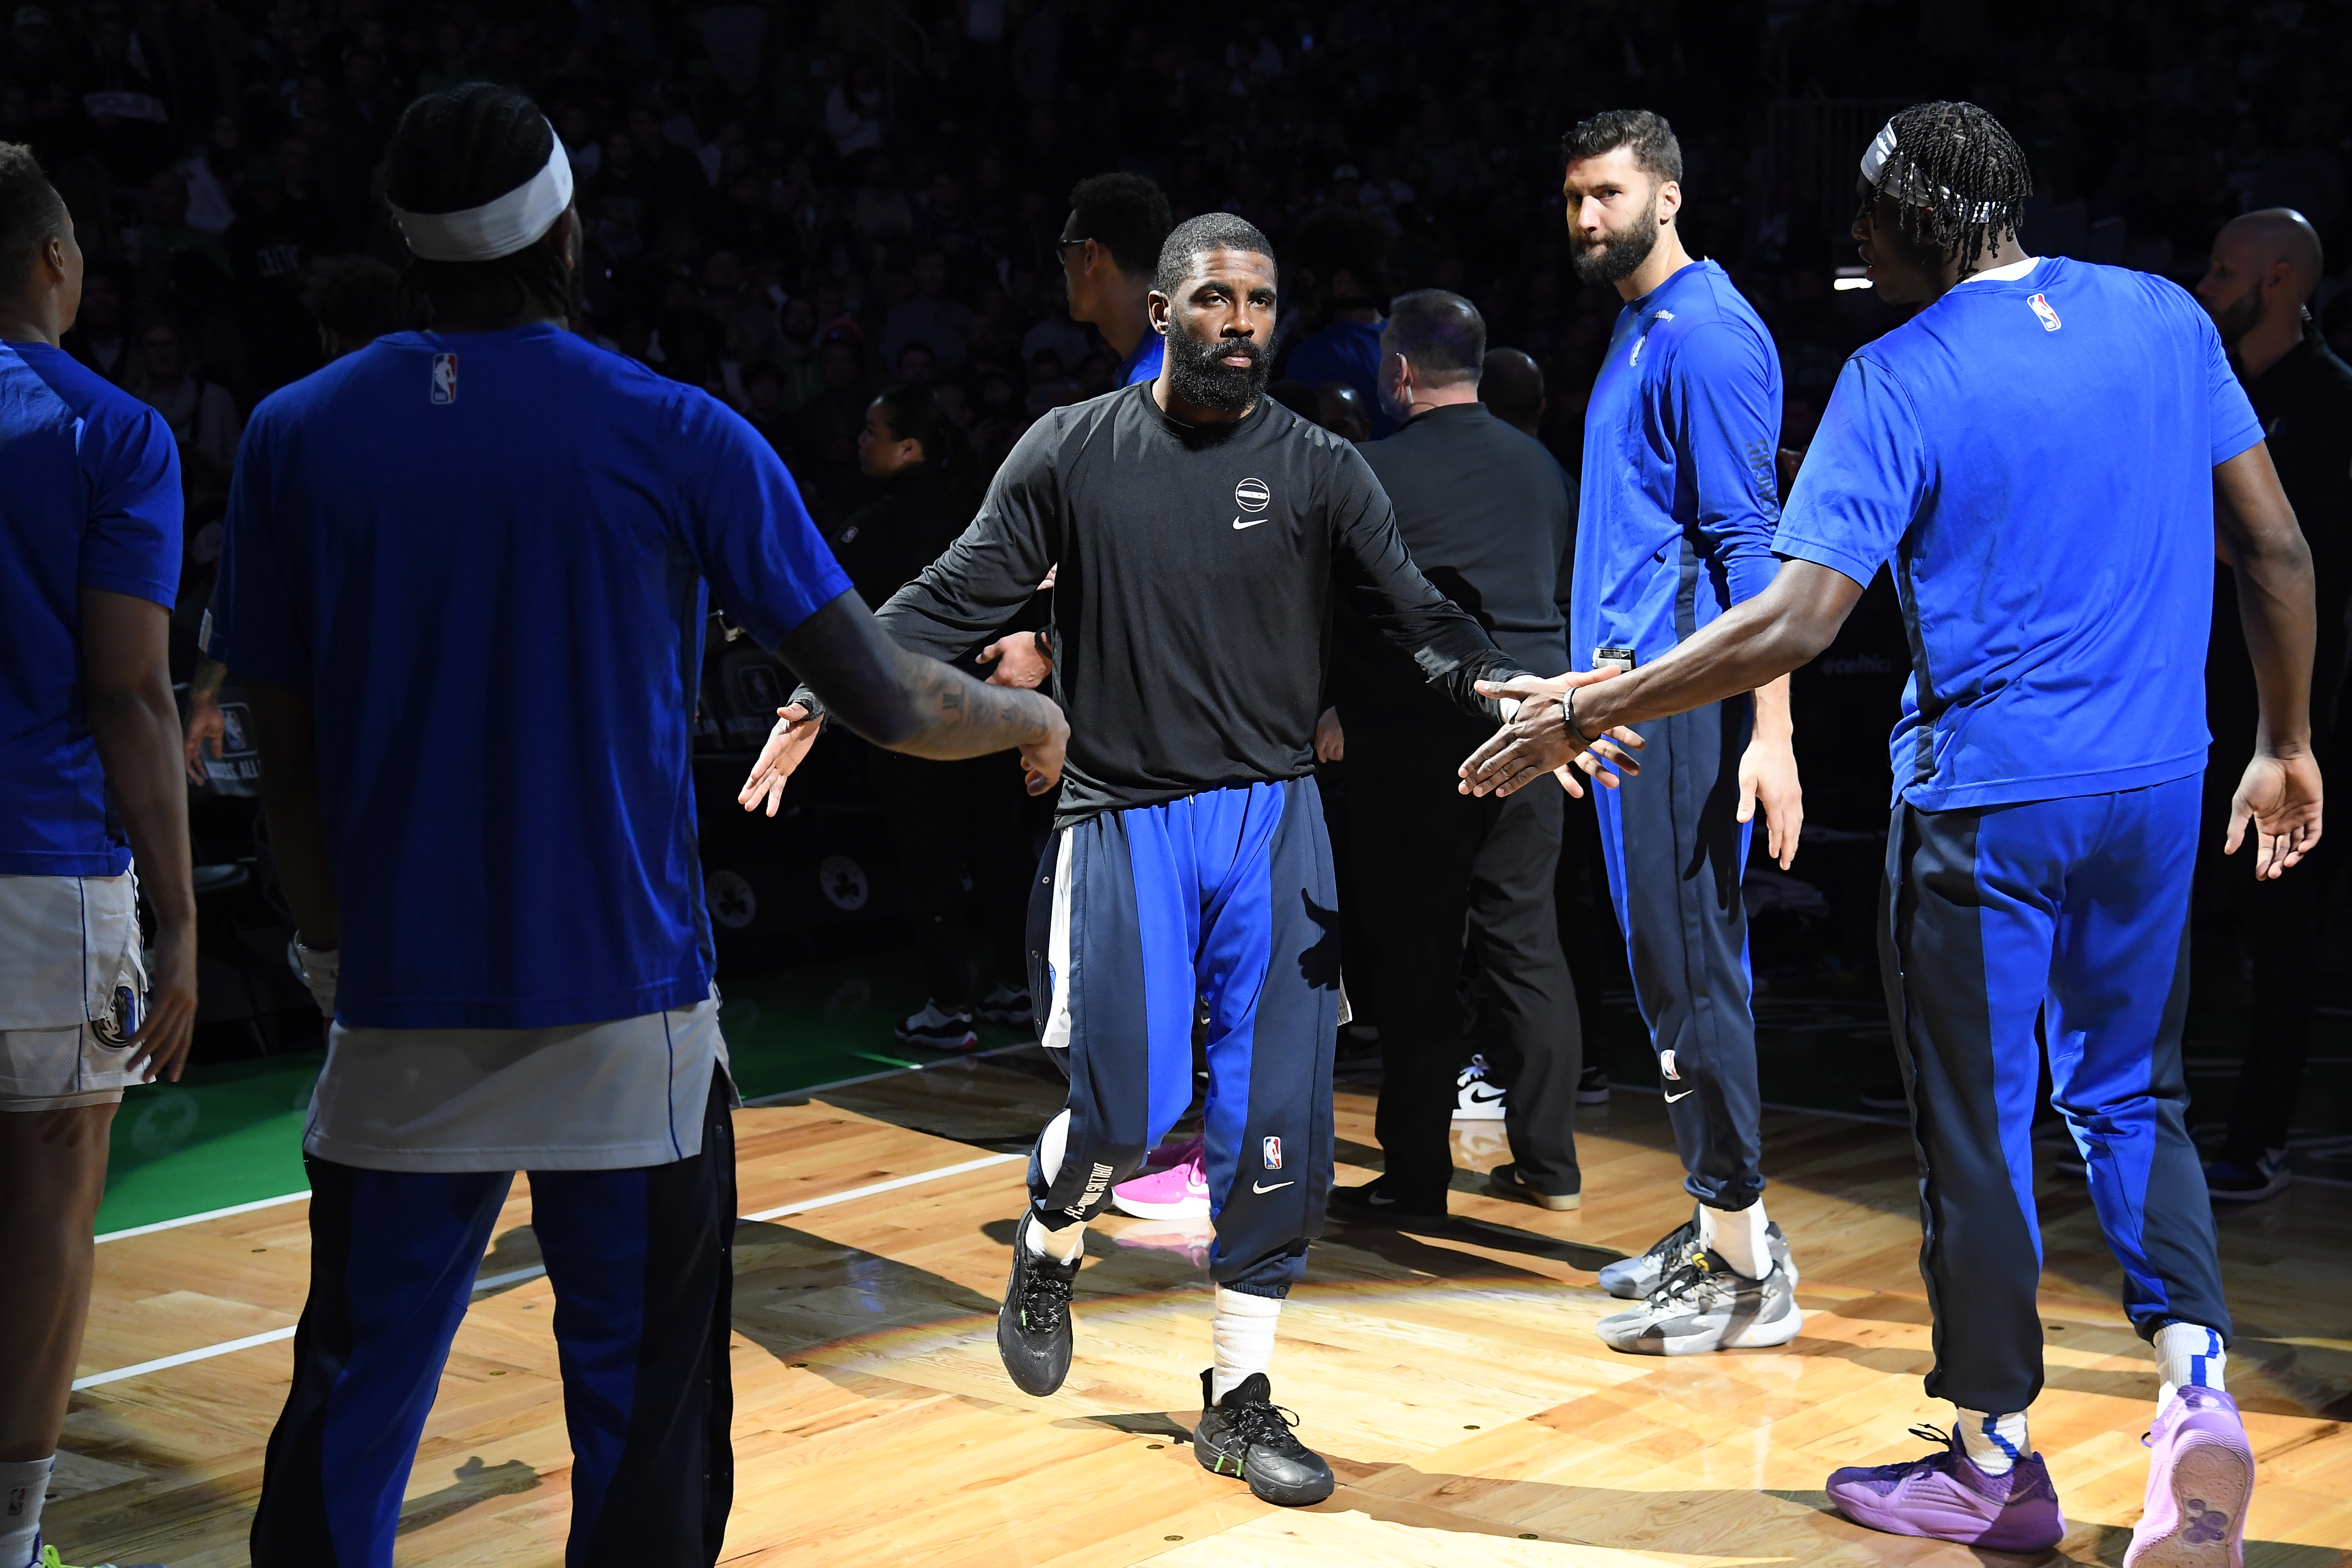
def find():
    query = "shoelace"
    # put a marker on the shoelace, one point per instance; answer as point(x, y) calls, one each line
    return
point(1475, 1072)
point(1675, 1242)
point(1048, 1296)
point(1686, 1279)
point(1269, 1424)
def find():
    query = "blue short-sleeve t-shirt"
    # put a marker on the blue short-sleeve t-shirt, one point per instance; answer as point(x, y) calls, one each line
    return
point(2035, 453)
point(89, 498)
point(487, 557)
point(1143, 361)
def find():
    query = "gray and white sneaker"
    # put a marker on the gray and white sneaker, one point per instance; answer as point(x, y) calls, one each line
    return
point(1637, 1278)
point(1704, 1306)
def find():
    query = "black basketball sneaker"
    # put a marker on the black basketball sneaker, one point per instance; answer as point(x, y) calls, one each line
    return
point(1247, 1435)
point(1032, 1327)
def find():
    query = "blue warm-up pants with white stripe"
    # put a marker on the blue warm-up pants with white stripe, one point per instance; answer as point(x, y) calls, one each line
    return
point(2075, 912)
point(1676, 851)
point(1223, 899)
point(641, 1264)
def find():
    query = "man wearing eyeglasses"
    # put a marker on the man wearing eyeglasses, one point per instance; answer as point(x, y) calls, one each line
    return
point(1109, 248)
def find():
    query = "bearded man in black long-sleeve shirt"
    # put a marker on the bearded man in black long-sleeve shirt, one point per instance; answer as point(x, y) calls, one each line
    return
point(1199, 529)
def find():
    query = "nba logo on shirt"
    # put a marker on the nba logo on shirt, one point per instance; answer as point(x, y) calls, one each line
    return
point(1270, 1150)
point(2040, 303)
point(444, 378)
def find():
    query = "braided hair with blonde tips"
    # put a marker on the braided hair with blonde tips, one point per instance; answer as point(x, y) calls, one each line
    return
point(1959, 179)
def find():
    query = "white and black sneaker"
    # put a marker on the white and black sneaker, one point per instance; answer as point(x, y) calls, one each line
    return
point(1032, 1327)
point(1007, 1005)
point(1636, 1278)
point(1247, 1435)
point(938, 1029)
point(1704, 1306)
point(1592, 1086)
point(1476, 1097)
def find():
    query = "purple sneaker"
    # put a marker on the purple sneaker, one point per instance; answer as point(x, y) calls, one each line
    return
point(1945, 1496)
point(2199, 1481)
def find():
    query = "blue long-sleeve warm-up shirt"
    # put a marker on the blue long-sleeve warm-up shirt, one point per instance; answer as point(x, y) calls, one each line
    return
point(1680, 500)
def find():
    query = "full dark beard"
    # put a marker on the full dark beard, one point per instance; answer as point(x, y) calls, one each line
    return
point(1197, 377)
point(1618, 255)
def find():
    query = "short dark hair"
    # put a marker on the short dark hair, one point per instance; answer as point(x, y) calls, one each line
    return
point(461, 149)
point(357, 297)
point(1959, 179)
point(1513, 386)
point(1640, 132)
point(1440, 332)
point(916, 414)
point(1195, 238)
point(31, 212)
point(1127, 214)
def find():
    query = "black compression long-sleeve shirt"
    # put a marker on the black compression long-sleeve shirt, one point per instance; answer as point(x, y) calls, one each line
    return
point(1195, 564)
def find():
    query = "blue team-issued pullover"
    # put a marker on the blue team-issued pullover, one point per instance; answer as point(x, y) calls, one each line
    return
point(1679, 500)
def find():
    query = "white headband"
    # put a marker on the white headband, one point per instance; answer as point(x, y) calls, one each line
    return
point(497, 228)
point(1882, 147)
point(1874, 163)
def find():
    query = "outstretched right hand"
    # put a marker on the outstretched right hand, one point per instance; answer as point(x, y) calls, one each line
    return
point(788, 743)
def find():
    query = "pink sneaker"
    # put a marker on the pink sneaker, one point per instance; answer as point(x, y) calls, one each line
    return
point(2199, 1481)
point(1169, 1154)
point(1179, 1192)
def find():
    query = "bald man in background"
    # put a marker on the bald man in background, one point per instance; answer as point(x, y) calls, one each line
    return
point(1512, 387)
point(2265, 266)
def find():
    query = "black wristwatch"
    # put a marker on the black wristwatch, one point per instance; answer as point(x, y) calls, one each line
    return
point(1568, 720)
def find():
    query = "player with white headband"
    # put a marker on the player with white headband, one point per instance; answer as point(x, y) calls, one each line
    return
point(2048, 453)
point(466, 576)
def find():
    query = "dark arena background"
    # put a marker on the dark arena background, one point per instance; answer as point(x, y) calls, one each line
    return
point(794, 205)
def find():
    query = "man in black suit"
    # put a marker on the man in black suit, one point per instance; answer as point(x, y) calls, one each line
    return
point(1489, 518)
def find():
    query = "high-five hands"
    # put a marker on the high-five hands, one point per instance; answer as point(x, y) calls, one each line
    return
point(2281, 796)
point(788, 743)
point(1535, 740)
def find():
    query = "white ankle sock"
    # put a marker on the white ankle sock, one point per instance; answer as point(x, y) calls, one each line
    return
point(1993, 1442)
point(1242, 1332)
point(1738, 1237)
point(1063, 1245)
point(2188, 1354)
point(23, 1484)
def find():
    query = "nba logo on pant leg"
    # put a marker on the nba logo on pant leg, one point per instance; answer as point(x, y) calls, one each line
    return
point(1270, 1150)
point(444, 378)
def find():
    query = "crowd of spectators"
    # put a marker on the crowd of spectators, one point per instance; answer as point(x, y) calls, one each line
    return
point(796, 204)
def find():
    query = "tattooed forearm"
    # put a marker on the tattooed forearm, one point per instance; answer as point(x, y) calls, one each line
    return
point(903, 700)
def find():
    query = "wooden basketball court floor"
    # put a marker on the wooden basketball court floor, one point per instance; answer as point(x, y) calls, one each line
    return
point(1449, 1374)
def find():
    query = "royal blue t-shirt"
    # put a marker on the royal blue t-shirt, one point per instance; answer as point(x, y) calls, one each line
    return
point(2037, 456)
point(89, 498)
point(1347, 352)
point(1679, 497)
point(485, 557)
point(1142, 364)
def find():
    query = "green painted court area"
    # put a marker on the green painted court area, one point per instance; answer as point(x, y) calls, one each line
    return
point(233, 1133)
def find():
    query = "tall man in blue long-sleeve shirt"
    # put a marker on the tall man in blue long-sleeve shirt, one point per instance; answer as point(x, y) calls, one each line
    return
point(1678, 507)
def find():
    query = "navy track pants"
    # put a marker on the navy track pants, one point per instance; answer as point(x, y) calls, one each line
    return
point(1676, 852)
point(1224, 900)
point(642, 1265)
point(2074, 912)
